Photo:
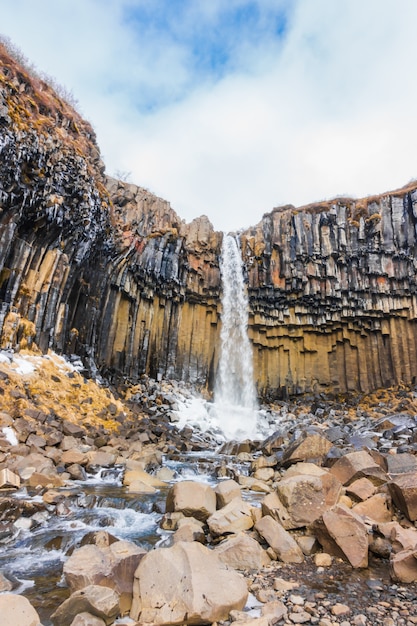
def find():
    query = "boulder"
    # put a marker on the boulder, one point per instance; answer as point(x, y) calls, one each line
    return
point(69, 457)
point(284, 546)
point(356, 465)
point(399, 537)
point(361, 489)
point(17, 611)
point(226, 491)
point(132, 476)
point(248, 482)
point(232, 518)
point(343, 533)
point(191, 498)
point(377, 508)
point(242, 552)
point(189, 529)
point(137, 486)
point(110, 566)
point(403, 566)
point(88, 565)
point(307, 447)
point(305, 498)
point(9, 479)
point(401, 464)
point(100, 458)
point(33, 462)
point(404, 493)
point(185, 584)
point(97, 600)
point(86, 619)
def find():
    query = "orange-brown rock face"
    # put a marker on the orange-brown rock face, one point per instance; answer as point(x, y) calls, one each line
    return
point(105, 269)
point(333, 294)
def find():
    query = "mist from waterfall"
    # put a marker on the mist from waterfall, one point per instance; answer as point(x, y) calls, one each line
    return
point(235, 398)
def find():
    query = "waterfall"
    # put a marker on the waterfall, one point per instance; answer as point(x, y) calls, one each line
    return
point(235, 394)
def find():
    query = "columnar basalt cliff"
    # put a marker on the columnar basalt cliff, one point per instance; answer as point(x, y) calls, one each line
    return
point(105, 269)
point(333, 294)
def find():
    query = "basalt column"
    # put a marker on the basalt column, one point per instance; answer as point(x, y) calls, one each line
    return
point(333, 295)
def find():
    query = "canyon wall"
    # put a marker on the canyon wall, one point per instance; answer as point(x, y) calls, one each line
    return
point(101, 268)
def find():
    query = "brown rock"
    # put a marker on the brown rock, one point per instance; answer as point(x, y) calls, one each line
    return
point(356, 465)
point(111, 566)
point(191, 498)
point(242, 553)
point(403, 566)
point(16, 610)
point(377, 508)
point(9, 479)
point(342, 533)
point(404, 493)
point(131, 476)
point(185, 584)
point(232, 518)
point(189, 529)
point(70, 457)
point(284, 546)
point(306, 448)
point(100, 458)
point(305, 498)
point(361, 489)
point(87, 619)
point(226, 491)
point(97, 600)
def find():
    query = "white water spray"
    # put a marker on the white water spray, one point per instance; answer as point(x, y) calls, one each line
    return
point(235, 395)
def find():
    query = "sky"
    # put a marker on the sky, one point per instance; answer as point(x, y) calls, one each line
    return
point(229, 108)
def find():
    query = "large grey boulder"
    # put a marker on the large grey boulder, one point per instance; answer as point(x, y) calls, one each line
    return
point(185, 584)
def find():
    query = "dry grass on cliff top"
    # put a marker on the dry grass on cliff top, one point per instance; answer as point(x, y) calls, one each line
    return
point(51, 385)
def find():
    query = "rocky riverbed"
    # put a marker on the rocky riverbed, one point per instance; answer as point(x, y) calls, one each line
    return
point(112, 508)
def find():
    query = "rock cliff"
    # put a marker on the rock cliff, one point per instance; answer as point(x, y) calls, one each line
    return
point(105, 269)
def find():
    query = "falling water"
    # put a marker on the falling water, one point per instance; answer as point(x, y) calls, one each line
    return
point(235, 395)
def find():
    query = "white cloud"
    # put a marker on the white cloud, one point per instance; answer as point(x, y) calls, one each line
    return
point(327, 110)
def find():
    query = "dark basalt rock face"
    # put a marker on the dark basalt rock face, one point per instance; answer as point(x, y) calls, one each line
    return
point(98, 267)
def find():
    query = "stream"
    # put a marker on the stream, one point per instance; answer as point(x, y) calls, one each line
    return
point(33, 559)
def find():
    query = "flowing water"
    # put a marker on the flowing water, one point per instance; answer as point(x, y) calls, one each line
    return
point(235, 394)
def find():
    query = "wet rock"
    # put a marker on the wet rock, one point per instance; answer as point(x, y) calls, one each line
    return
point(232, 518)
point(284, 546)
point(17, 611)
point(342, 533)
point(185, 584)
point(131, 476)
point(99, 601)
point(242, 552)
point(192, 499)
